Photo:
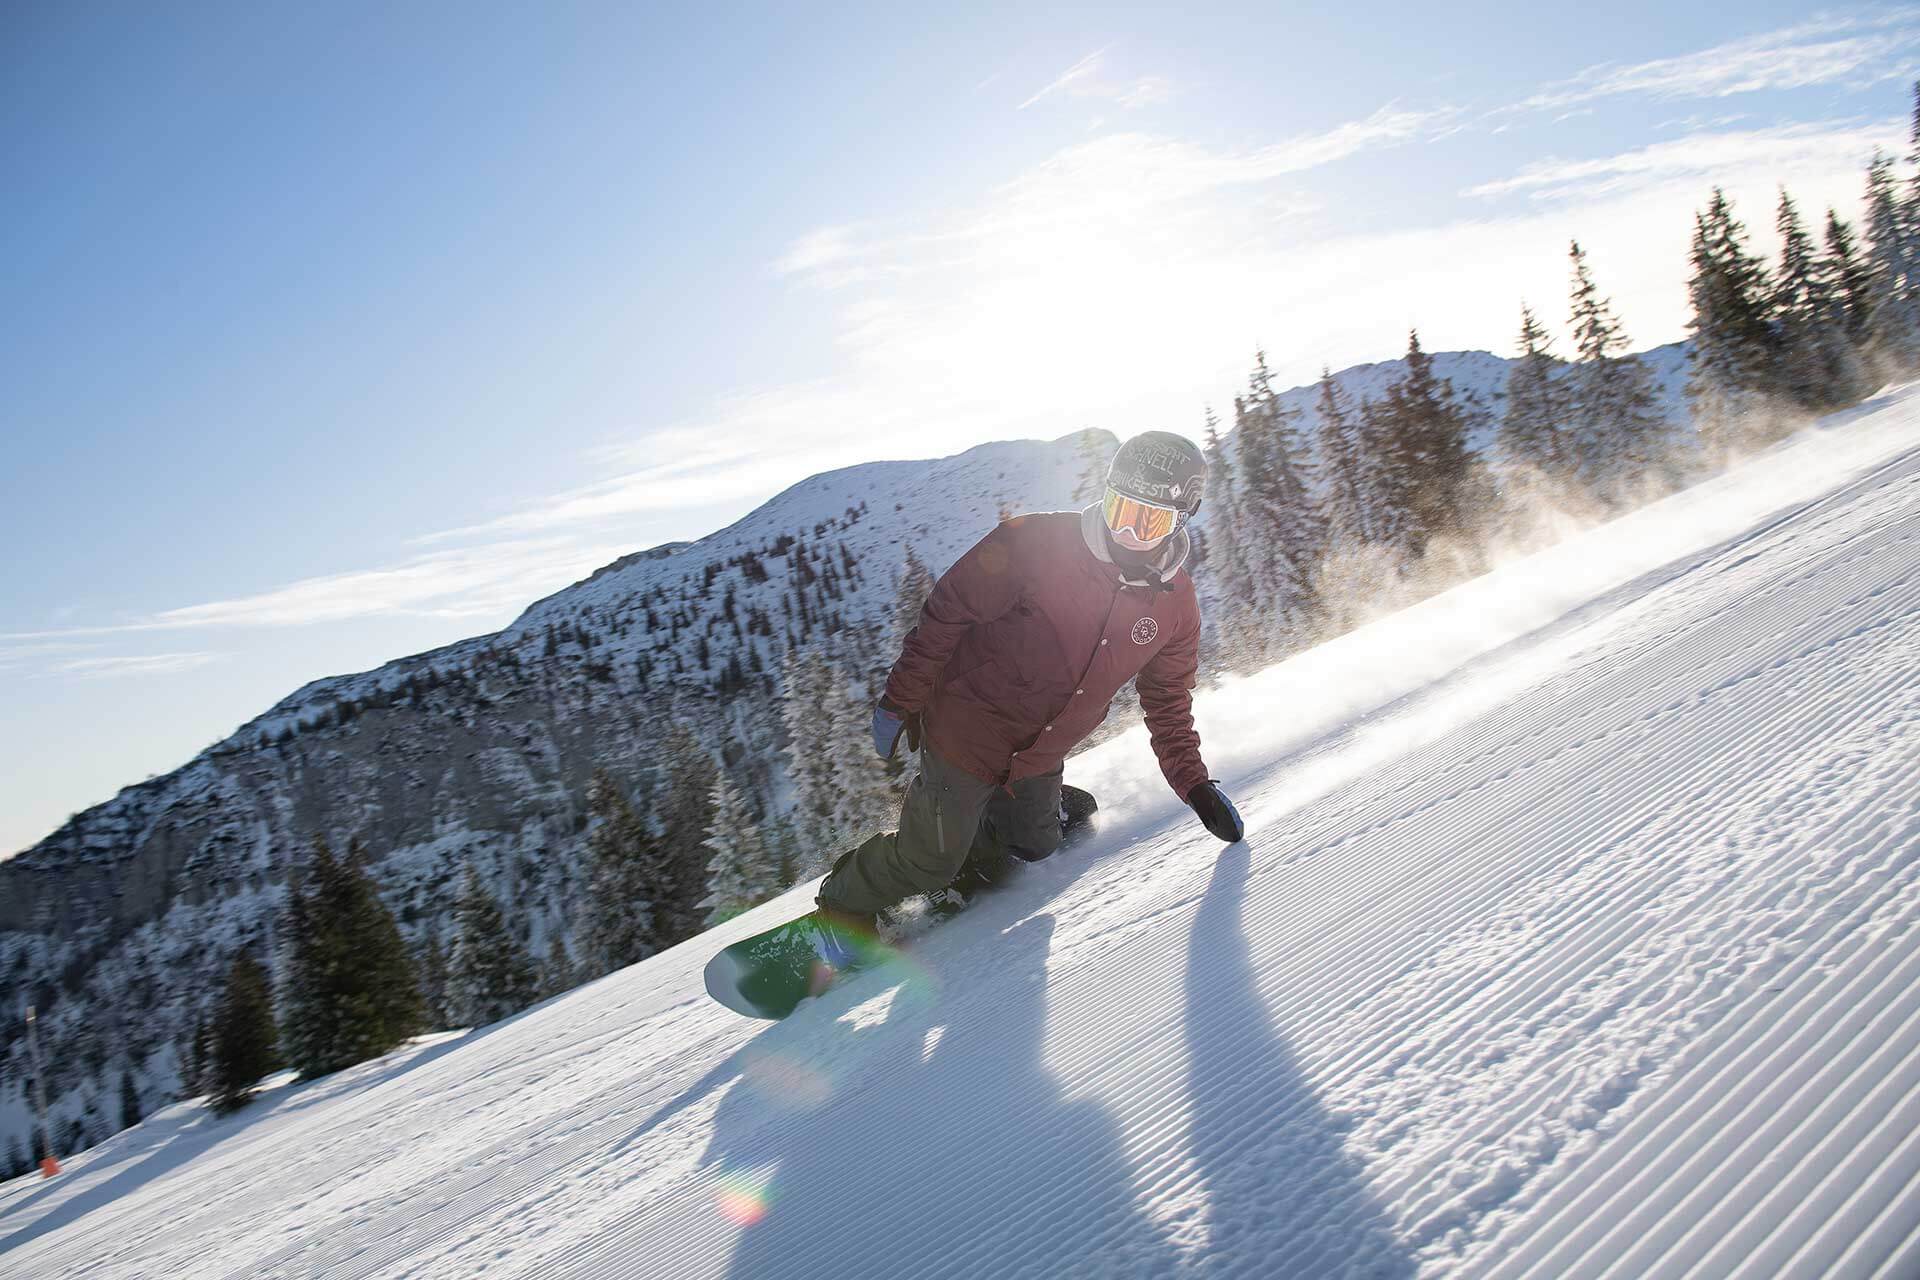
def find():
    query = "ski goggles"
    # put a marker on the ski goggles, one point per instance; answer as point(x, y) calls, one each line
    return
point(1147, 522)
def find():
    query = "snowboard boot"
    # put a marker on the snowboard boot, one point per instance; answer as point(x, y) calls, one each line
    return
point(978, 874)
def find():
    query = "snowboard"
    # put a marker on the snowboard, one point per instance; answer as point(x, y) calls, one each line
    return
point(768, 974)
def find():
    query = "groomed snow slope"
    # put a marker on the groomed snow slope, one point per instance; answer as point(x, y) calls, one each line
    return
point(1575, 935)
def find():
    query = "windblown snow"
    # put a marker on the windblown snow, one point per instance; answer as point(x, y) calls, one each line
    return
point(1574, 934)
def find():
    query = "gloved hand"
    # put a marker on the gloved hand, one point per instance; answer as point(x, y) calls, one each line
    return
point(889, 722)
point(1216, 811)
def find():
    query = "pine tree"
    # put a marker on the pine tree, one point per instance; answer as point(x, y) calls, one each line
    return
point(866, 797)
point(1889, 255)
point(130, 1109)
point(783, 850)
point(19, 1163)
point(1533, 431)
point(307, 1016)
point(1846, 284)
point(1387, 520)
point(685, 812)
point(244, 1048)
point(739, 872)
point(1909, 217)
point(1227, 614)
point(1819, 368)
point(622, 869)
point(352, 991)
point(1344, 504)
point(558, 974)
point(1282, 534)
point(1620, 440)
point(1733, 355)
point(489, 974)
point(199, 1059)
point(431, 962)
point(909, 597)
point(1430, 480)
point(808, 718)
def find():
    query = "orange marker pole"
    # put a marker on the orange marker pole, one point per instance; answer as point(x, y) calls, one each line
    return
point(48, 1165)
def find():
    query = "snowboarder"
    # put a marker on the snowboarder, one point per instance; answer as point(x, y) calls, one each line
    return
point(1018, 651)
point(1020, 647)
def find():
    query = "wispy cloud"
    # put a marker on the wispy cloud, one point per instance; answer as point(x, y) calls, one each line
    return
point(144, 664)
point(1090, 78)
point(1085, 69)
point(1859, 49)
point(702, 472)
point(1111, 182)
point(1696, 157)
point(482, 581)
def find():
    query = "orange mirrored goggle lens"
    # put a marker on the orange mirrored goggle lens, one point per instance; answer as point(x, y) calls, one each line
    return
point(1148, 522)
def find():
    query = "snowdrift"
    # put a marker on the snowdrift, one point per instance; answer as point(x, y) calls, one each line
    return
point(1575, 934)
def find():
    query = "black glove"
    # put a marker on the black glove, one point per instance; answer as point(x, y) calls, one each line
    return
point(1216, 811)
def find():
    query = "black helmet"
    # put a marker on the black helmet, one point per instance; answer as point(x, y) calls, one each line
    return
point(1153, 487)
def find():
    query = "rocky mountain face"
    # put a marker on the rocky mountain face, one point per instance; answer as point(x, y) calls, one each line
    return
point(118, 925)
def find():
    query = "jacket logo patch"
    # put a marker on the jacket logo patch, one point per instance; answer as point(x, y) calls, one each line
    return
point(1145, 631)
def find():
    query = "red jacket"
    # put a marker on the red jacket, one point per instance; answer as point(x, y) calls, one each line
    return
point(1026, 639)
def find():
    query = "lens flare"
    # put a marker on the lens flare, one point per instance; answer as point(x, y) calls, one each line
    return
point(741, 1198)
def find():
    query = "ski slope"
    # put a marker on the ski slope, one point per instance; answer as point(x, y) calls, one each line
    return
point(1575, 935)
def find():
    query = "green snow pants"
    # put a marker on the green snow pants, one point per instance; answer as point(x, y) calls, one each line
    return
point(949, 818)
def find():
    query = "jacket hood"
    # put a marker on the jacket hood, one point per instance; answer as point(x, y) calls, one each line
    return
point(1168, 561)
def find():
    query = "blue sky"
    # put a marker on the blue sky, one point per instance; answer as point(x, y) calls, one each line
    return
point(336, 332)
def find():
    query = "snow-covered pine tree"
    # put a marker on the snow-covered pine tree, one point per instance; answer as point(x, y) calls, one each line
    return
point(1532, 432)
point(910, 592)
point(1387, 519)
point(1733, 356)
point(866, 796)
point(1428, 469)
point(244, 1048)
point(805, 681)
point(1889, 253)
point(783, 849)
point(489, 974)
point(684, 813)
point(1227, 614)
point(1910, 221)
point(1345, 504)
point(1848, 287)
point(740, 873)
point(1283, 537)
point(622, 869)
point(1818, 366)
point(1621, 442)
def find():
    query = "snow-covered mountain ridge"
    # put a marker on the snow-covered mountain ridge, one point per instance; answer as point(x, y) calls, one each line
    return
point(479, 752)
point(1577, 933)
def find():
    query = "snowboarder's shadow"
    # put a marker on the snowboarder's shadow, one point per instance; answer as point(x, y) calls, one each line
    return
point(1280, 1186)
point(942, 1145)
